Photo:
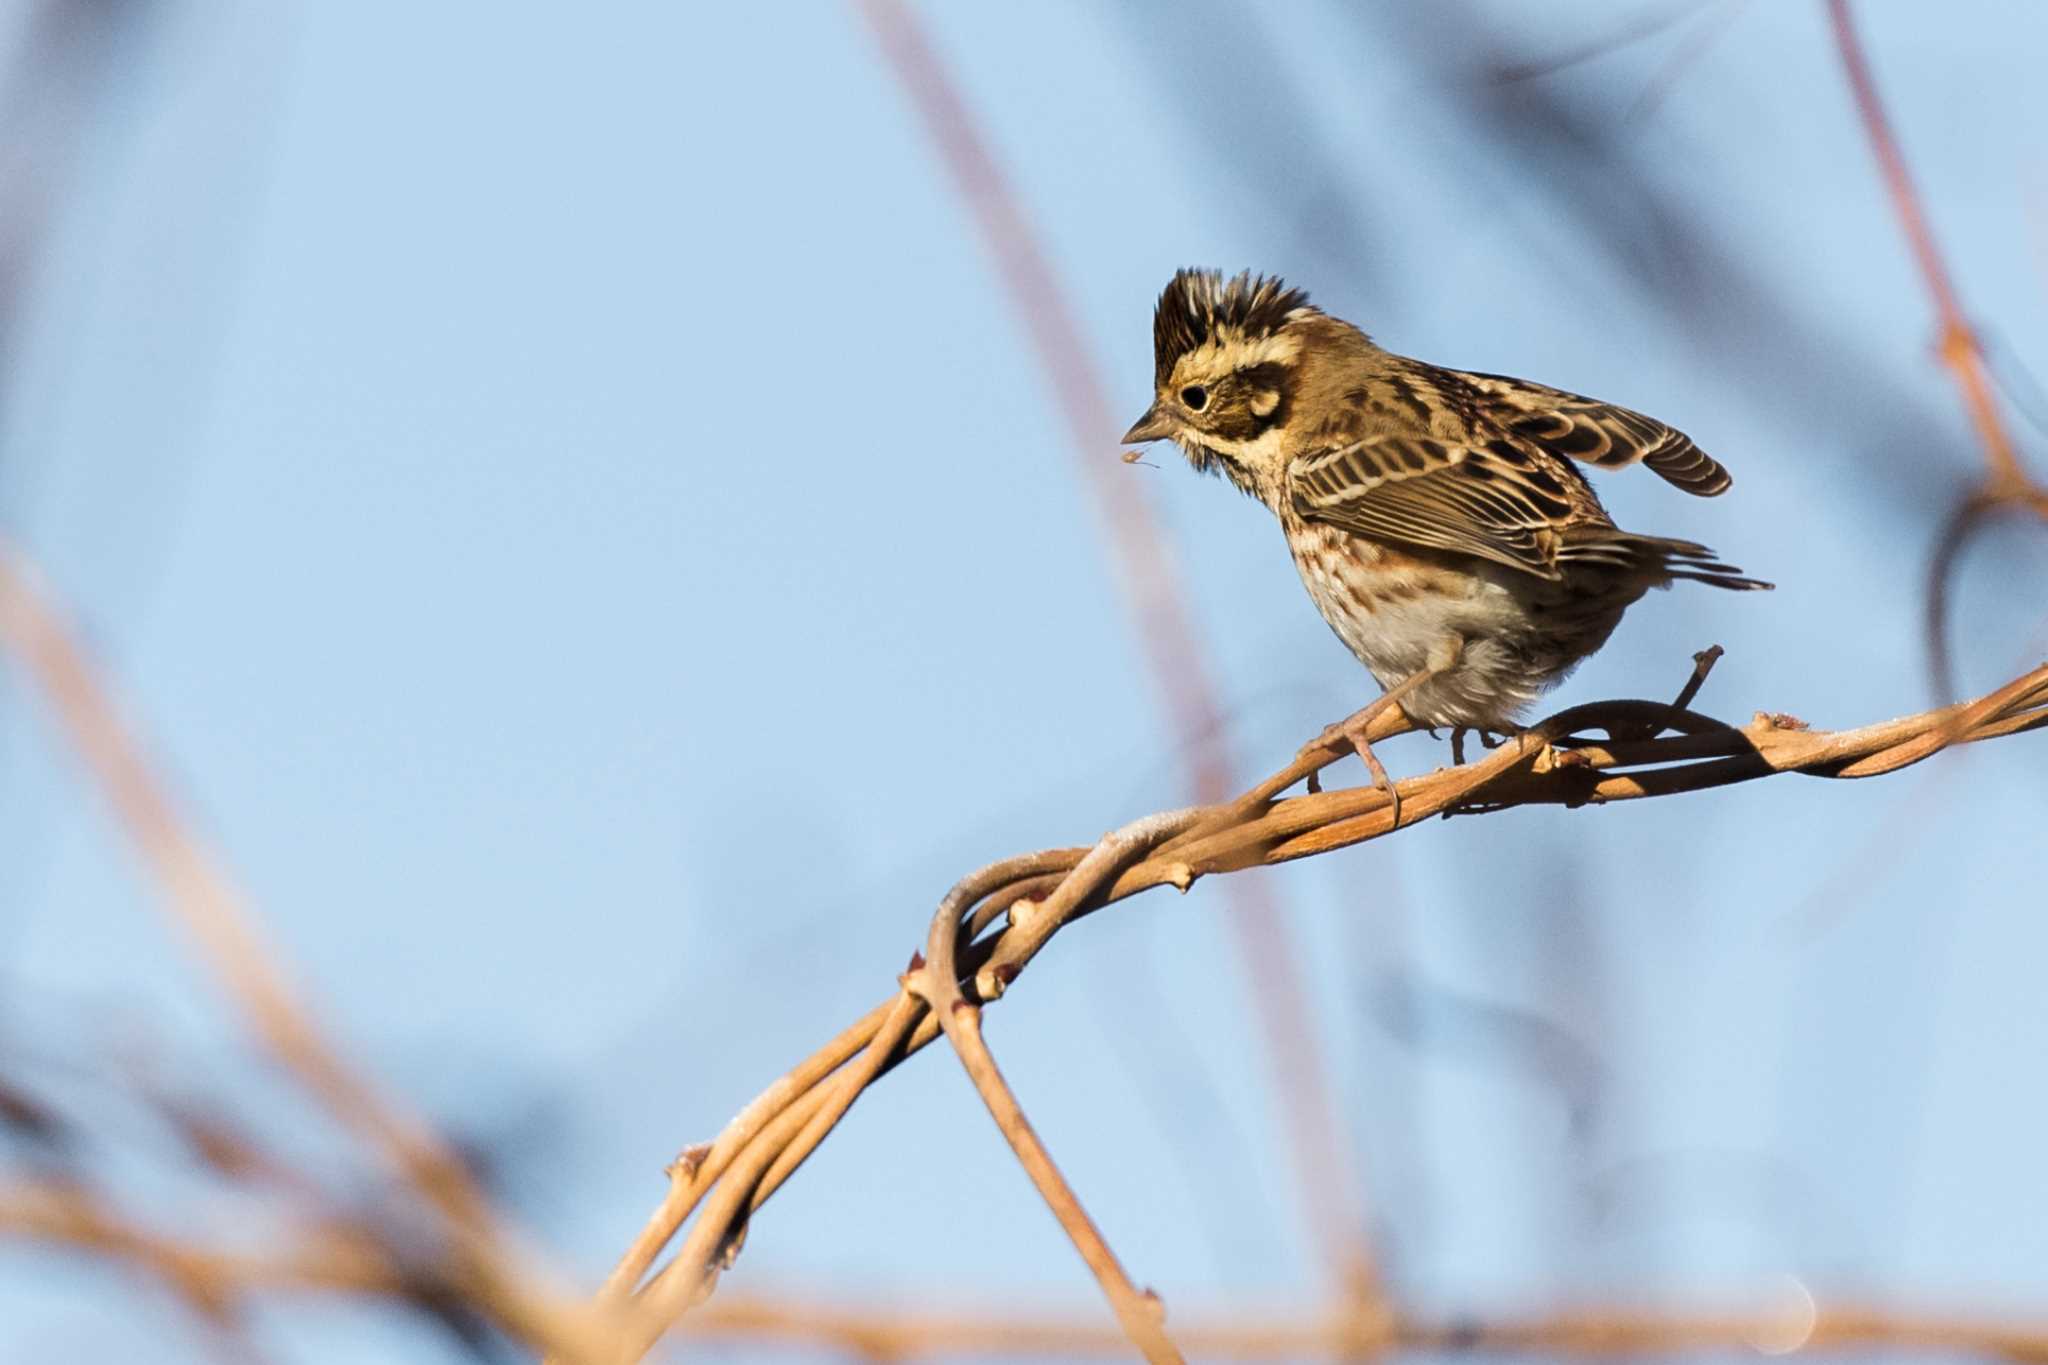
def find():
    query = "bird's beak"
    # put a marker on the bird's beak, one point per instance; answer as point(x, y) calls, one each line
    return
point(1151, 427)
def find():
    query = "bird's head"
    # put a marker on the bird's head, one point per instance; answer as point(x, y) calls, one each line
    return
point(1225, 356)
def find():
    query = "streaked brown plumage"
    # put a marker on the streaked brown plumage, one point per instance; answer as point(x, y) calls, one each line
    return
point(1439, 519)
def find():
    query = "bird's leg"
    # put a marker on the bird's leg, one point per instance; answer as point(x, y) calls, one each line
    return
point(1351, 731)
point(1355, 729)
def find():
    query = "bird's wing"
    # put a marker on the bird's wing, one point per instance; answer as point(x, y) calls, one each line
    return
point(1493, 499)
point(1586, 429)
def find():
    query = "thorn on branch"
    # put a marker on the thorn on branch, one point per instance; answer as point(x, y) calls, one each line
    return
point(689, 1161)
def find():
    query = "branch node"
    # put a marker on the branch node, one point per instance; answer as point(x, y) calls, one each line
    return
point(992, 981)
point(687, 1161)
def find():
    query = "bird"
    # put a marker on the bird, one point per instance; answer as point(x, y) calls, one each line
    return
point(1441, 520)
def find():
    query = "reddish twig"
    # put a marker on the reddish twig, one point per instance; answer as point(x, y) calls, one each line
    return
point(1959, 348)
point(2006, 484)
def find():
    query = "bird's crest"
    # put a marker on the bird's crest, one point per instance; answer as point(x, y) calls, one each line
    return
point(1200, 306)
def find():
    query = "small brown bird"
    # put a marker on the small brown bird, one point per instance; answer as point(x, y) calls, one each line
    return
point(1438, 518)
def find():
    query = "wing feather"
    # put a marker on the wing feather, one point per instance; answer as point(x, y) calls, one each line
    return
point(1596, 433)
point(1468, 499)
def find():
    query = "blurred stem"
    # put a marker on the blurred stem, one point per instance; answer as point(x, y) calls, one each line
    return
point(1147, 573)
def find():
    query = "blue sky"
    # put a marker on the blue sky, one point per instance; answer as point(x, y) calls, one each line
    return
point(571, 506)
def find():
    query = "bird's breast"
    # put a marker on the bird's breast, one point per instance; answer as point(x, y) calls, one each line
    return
point(1389, 607)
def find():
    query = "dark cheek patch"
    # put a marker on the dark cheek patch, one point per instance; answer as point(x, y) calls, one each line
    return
point(1232, 419)
point(1271, 393)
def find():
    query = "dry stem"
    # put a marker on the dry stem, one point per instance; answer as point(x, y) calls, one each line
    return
point(938, 985)
point(1795, 1324)
point(198, 894)
point(1554, 762)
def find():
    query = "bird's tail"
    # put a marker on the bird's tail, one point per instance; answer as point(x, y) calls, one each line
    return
point(1654, 557)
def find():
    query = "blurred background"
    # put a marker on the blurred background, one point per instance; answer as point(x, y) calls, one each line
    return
point(573, 508)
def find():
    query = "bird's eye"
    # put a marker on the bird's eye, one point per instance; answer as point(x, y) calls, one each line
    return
point(1195, 396)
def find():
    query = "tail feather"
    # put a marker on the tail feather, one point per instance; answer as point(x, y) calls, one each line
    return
point(1653, 556)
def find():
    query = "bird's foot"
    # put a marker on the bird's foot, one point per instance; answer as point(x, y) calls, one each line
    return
point(1359, 741)
point(1488, 739)
point(1354, 733)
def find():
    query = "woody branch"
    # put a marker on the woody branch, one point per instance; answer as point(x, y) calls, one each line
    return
point(1002, 917)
